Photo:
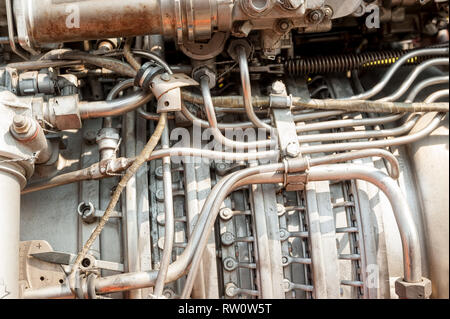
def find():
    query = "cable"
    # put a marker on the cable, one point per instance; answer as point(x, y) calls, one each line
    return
point(142, 158)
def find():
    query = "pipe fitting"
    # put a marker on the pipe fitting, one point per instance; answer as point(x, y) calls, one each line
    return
point(29, 133)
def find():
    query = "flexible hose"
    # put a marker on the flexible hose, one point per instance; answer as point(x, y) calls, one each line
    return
point(129, 56)
point(141, 159)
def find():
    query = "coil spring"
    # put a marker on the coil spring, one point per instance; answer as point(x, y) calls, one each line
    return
point(345, 62)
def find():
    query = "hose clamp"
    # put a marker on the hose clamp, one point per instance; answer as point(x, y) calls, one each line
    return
point(146, 74)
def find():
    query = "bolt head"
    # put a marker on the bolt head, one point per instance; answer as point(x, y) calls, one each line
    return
point(21, 124)
point(165, 77)
point(278, 87)
point(292, 150)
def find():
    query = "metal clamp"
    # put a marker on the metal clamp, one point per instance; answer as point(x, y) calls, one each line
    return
point(166, 88)
point(280, 101)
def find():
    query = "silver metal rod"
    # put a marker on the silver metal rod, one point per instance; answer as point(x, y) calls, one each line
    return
point(169, 228)
point(326, 137)
point(376, 144)
point(348, 123)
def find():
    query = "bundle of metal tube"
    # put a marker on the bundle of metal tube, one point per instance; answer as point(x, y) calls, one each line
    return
point(316, 169)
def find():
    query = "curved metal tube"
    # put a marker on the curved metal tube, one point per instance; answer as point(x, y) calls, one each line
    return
point(412, 267)
point(424, 84)
point(410, 80)
point(408, 231)
point(247, 89)
point(434, 123)
point(211, 114)
point(89, 110)
point(388, 76)
point(437, 95)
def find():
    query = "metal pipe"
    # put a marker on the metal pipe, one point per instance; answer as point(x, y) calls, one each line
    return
point(411, 78)
point(10, 22)
point(328, 125)
point(412, 267)
point(87, 173)
point(389, 74)
point(210, 113)
point(405, 222)
point(221, 126)
point(79, 20)
point(247, 89)
point(434, 123)
point(120, 106)
point(11, 177)
point(425, 83)
point(437, 95)
point(169, 224)
point(326, 137)
point(129, 197)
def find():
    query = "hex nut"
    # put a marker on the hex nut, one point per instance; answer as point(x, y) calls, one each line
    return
point(199, 73)
point(108, 133)
point(292, 150)
point(416, 290)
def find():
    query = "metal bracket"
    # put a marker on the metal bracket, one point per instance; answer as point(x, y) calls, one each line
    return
point(166, 88)
point(89, 214)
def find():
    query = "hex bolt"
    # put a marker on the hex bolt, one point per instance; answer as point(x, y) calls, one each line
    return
point(278, 87)
point(230, 264)
point(231, 289)
point(226, 213)
point(284, 25)
point(90, 137)
point(21, 124)
point(315, 16)
point(284, 234)
point(292, 150)
point(227, 239)
point(281, 210)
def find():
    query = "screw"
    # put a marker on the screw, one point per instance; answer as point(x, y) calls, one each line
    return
point(165, 77)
